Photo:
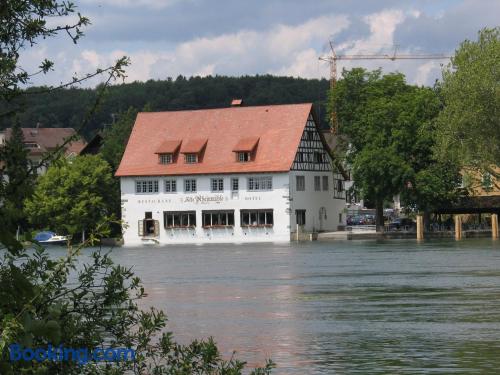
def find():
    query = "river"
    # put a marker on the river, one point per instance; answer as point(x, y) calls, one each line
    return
point(353, 307)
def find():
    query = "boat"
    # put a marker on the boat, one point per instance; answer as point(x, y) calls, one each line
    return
point(50, 238)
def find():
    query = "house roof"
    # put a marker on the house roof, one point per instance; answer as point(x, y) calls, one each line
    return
point(278, 128)
point(48, 139)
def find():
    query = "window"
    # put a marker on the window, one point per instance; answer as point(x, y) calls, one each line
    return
point(301, 183)
point(30, 145)
point(487, 181)
point(257, 218)
point(301, 217)
point(325, 183)
point(260, 183)
point(146, 186)
point(190, 186)
point(165, 158)
point(191, 158)
point(148, 227)
point(319, 157)
point(170, 186)
point(179, 219)
point(317, 183)
point(235, 184)
point(243, 157)
point(217, 184)
point(340, 185)
point(218, 218)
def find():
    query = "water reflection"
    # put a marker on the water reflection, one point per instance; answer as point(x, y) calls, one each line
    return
point(346, 307)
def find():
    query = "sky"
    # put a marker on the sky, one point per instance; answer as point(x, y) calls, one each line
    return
point(167, 38)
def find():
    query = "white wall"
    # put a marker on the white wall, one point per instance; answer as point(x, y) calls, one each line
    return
point(135, 205)
point(312, 201)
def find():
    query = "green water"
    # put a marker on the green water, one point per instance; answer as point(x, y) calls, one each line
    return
point(354, 307)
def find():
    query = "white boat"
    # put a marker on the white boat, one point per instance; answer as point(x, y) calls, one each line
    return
point(50, 238)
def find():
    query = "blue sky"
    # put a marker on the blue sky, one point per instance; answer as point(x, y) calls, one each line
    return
point(165, 38)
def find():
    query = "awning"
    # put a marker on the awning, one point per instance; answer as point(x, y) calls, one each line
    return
point(193, 146)
point(246, 144)
point(168, 147)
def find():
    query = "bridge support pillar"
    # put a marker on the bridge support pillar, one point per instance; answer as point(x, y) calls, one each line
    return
point(494, 226)
point(458, 227)
point(420, 227)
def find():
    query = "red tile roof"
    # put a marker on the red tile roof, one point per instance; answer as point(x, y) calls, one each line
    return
point(49, 138)
point(169, 147)
point(246, 144)
point(278, 128)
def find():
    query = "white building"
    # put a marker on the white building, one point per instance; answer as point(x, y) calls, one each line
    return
point(238, 174)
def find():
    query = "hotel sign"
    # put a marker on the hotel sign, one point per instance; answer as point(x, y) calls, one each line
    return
point(203, 199)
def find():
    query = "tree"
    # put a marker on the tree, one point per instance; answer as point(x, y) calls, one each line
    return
point(73, 195)
point(50, 301)
point(469, 125)
point(115, 138)
point(386, 131)
point(16, 180)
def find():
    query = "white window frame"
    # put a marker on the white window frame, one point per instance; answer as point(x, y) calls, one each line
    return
point(268, 213)
point(191, 158)
point(243, 156)
point(300, 183)
point(325, 183)
point(190, 185)
point(217, 185)
point(260, 183)
point(146, 186)
point(166, 159)
point(317, 183)
point(235, 184)
point(170, 186)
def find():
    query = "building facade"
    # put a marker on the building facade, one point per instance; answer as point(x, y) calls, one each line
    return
point(238, 174)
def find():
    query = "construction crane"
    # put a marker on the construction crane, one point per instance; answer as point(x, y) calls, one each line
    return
point(333, 58)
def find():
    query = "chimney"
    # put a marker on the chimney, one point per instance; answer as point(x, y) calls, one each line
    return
point(237, 103)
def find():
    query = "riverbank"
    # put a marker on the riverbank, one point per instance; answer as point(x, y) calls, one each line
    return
point(367, 235)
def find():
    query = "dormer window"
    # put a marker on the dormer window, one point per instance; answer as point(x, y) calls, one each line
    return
point(168, 151)
point(166, 159)
point(190, 158)
point(243, 156)
point(245, 149)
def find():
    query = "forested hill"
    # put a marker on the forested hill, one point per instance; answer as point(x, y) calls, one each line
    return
point(67, 108)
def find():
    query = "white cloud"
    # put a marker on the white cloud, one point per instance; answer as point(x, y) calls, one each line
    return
point(283, 50)
point(153, 4)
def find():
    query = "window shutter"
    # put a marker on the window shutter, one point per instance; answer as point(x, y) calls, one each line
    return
point(141, 228)
point(157, 228)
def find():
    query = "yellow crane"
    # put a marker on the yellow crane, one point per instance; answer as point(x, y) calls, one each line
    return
point(334, 57)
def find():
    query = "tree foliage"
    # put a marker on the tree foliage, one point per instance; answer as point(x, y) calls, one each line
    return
point(65, 108)
point(116, 136)
point(73, 195)
point(16, 180)
point(469, 125)
point(387, 128)
point(50, 301)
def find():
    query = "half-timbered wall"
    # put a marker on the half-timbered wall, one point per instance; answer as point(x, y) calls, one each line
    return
point(311, 154)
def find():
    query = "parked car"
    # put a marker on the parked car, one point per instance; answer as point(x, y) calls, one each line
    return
point(402, 223)
point(356, 220)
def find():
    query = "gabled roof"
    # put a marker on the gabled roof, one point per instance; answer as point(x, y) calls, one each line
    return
point(277, 127)
point(49, 138)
